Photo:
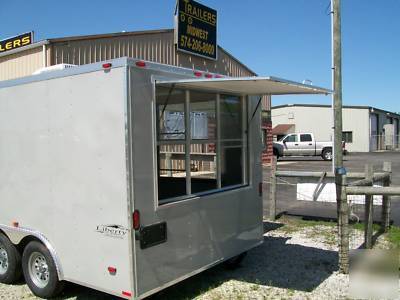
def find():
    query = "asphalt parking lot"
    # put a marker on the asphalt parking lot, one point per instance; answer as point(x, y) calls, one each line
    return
point(353, 162)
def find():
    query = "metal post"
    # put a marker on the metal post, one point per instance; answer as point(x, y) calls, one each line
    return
point(369, 205)
point(188, 136)
point(218, 145)
point(333, 88)
point(340, 178)
point(272, 195)
point(385, 224)
point(168, 163)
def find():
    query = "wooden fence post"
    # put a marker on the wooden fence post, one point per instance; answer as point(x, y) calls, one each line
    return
point(369, 205)
point(272, 194)
point(343, 224)
point(385, 223)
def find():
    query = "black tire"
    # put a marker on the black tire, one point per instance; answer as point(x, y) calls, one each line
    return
point(327, 154)
point(11, 259)
point(48, 286)
point(235, 262)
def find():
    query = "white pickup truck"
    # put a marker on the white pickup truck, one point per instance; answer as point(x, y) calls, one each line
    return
point(302, 144)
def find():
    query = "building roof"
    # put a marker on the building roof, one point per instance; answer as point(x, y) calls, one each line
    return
point(370, 108)
point(282, 129)
point(110, 35)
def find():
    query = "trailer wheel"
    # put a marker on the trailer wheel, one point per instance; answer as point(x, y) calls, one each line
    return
point(327, 154)
point(236, 261)
point(10, 261)
point(40, 271)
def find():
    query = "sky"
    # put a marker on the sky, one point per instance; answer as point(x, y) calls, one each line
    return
point(284, 38)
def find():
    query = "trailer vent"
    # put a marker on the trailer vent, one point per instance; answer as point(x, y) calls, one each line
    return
point(53, 68)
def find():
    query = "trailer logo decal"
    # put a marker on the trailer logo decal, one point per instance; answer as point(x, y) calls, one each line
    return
point(116, 231)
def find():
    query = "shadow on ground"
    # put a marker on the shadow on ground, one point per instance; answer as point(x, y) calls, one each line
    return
point(275, 263)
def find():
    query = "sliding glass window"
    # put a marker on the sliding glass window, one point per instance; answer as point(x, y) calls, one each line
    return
point(201, 142)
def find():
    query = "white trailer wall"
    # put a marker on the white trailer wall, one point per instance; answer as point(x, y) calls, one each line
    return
point(62, 164)
point(319, 120)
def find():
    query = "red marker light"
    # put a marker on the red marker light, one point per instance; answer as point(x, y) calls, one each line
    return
point(218, 76)
point(15, 224)
point(136, 220)
point(112, 270)
point(127, 294)
point(107, 65)
point(208, 75)
point(140, 63)
point(197, 73)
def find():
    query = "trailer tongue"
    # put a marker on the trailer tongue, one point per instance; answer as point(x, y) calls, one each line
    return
point(128, 176)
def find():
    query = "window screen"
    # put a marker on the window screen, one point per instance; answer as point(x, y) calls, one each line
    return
point(201, 142)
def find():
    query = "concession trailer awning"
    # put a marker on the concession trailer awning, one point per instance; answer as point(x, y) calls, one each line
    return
point(247, 86)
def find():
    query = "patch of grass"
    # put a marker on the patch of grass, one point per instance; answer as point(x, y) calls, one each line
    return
point(297, 221)
point(394, 236)
point(361, 226)
point(290, 292)
point(312, 223)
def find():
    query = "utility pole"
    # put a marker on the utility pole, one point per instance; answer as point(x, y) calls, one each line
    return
point(340, 172)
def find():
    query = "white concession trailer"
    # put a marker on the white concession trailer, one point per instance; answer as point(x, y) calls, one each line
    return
point(128, 176)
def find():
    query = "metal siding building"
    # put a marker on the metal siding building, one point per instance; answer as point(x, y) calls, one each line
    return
point(357, 124)
point(154, 45)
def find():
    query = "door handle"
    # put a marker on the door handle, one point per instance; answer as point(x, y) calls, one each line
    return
point(296, 144)
point(310, 144)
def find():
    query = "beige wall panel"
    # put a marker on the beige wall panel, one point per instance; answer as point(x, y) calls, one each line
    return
point(21, 64)
point(158, 47)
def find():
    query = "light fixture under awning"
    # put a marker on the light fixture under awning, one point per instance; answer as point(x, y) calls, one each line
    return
point(247, 86)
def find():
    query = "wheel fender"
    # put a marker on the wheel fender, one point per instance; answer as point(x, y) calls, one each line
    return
point(325, 148)
point(17, 234)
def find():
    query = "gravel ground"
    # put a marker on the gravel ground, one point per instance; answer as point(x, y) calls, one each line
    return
point(298, 260)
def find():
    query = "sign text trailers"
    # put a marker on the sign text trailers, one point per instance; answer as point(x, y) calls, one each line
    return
point(197, 29)
point(16, 42)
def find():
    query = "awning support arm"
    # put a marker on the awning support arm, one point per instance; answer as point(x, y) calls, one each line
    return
point(255, 110)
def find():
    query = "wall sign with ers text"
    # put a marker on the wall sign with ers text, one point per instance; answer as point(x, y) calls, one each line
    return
point(16, 42)
point(197, 29)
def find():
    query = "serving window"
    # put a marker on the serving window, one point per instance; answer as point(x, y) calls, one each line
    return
point(202, 142)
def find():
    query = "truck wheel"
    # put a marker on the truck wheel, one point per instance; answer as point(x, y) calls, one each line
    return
point(327, 154)
point(10, 261)
point(236, 261)
point(40, 271)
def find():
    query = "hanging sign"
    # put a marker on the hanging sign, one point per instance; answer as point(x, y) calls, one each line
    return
point(196, 29)
point(16, 42)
